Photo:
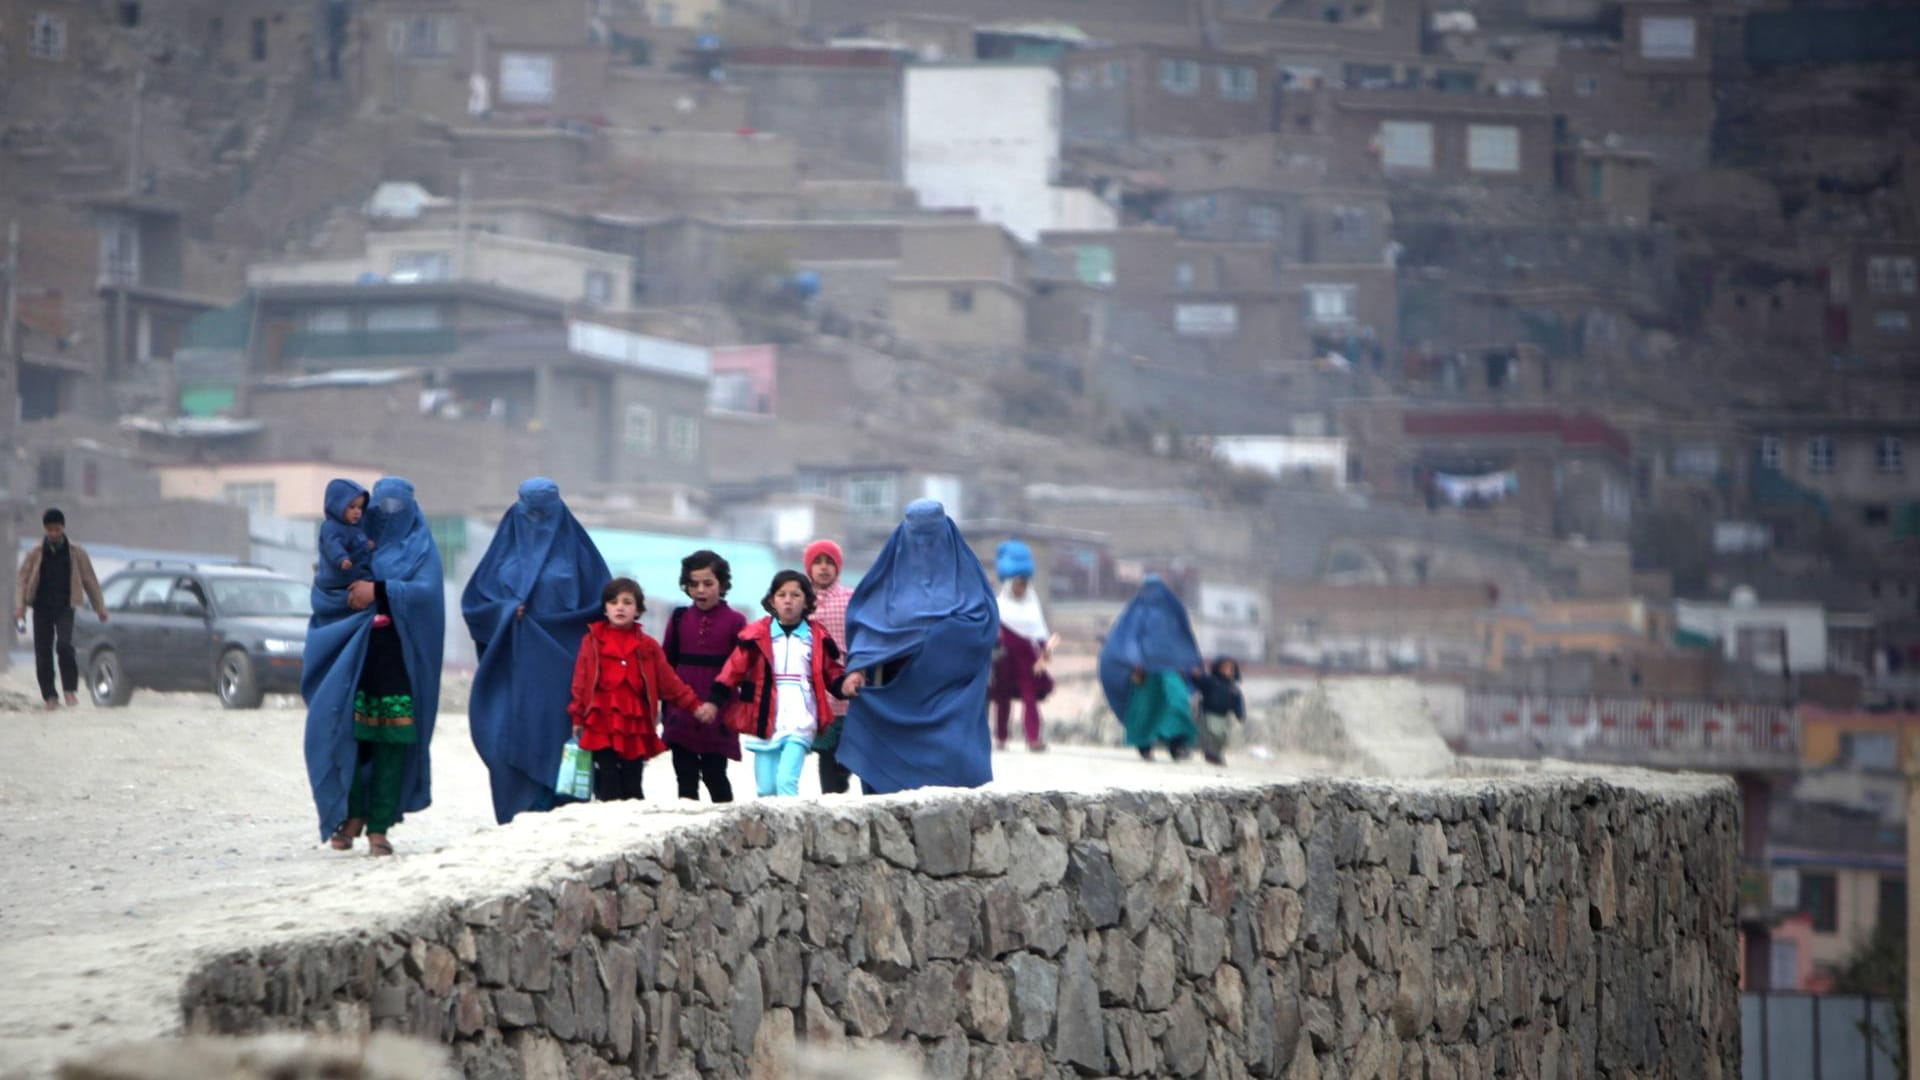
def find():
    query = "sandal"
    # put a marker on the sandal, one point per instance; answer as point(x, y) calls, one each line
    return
point(377, 844)
point(344, 836)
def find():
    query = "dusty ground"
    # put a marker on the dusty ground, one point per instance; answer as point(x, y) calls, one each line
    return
point(138, 837)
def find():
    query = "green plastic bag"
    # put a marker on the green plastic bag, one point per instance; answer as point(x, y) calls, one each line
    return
point(576, 772)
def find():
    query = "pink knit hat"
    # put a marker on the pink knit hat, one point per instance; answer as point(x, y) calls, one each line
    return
point(824, 547)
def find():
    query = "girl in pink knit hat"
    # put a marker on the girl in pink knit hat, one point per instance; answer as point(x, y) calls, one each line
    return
point(824, 561)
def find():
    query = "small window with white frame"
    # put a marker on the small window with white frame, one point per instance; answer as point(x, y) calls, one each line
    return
point(48, 39)
point(1264, 222)
point(526, 78)
point(1892, 323)
point(1890, 455)
point(1892, 275)
point(1668, 37)
point(420, 37)
point(1770, 452)
point(599, 288)
point(1406, 145)
point(637, 434)
point(871, 495)
point(1330, 303)
point(683, 438)
point(1238, 82)
point(1493, 148)
point(1820, 454)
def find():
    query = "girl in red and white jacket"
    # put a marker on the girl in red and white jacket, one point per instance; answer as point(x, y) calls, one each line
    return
point(619, 680)
point(779, 683)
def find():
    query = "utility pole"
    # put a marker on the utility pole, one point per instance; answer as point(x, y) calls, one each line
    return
point(1912, 769)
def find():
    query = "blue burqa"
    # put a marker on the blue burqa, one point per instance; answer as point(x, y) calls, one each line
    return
point(925, 613)
point(541, 557)
point(407, 564)
point(1152, 634)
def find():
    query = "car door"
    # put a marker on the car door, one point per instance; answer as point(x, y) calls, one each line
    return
point(135, 629)
point(185, 635)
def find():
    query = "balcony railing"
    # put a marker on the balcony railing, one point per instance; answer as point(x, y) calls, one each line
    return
point(1640, 730)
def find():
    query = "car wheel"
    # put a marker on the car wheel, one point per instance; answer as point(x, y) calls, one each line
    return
point(234, 680)
point(107, 680)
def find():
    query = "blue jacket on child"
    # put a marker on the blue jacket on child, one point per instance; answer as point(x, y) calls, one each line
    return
point(340, 541)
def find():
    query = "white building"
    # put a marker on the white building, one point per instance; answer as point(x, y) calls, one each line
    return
point(986, 136)
point(1324, 457)
point(1782, 638)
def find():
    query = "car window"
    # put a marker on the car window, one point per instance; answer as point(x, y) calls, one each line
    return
point(115, 593)
point(150, 596)
point(187, 596)
point(241, 597)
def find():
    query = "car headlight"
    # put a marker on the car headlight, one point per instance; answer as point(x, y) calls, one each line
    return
point(281, 646)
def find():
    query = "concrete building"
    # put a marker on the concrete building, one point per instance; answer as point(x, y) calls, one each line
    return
point(1783, 638)
point(987, 136)
point(841, 106)
point(1875, 298)
point(293, 490)
point(1624, 627)
point(1850, 472)
point(1388, 28)
point(1430, 135)
point(1845, 869)
point(1652, 92)
point(960, 284)
point(142, 281)
point(562, 272)
point(1146, 95)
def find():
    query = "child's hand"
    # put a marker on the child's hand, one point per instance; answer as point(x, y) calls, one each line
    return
point(853, 682)
point(346, 564)
point(577, 729)
point(706, 712)
point(369, 543)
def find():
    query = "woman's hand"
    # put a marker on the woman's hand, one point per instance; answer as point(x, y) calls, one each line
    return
point(850, 686)
point(706, 712)
point(520, 612)
point(360, 595)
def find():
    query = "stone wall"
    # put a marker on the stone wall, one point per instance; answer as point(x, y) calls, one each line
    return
point(1538, 926)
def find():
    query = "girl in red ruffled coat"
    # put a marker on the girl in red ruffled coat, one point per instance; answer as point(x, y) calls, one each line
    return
point(619, 680)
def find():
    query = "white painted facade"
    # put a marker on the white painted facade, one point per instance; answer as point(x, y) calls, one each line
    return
point(987, 137)
point(1283, 455)
point(1778, 638)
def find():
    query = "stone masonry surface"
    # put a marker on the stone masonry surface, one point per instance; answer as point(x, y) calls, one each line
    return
point(1545, 926)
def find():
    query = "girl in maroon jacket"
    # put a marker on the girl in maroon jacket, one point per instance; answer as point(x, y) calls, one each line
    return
point(697, 640)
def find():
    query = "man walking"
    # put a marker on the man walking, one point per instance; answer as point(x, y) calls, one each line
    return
point(53, 576)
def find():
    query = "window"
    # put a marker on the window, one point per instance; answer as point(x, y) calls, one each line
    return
point(1697, 461)
point(1872, 750)
point(258, 42)
point(1893, 901)
point(1206, 320)
point(422, 266)
point(1330, 303)
point(1587, 86)
point(1350, 222)
point(599, 288)
point(116, 592)
point(1493, 148)
point(1891, 274)
point(1115, 75)
point(1238, 82)
point(254, 495)
point(1183, 275)
point(329, 321)
point(1820, 898)
point(960, 301)
point(1406, 145)
point(129, 13)
point(1264, 222)
point(1892, 322)
point(1093, 264)
point(420, 37)
point(1820, 454)
point(663, 13)
point(526, 78)
point(1890, 455)
point(1770, 452)
point(150, 595)
point(870, 495)
point(1667, 37)
point(1596, 179)
point(638, 434)
point(51, 474)
point(120, 253)
point(49, 37)
point(683, 438)
point(404, 317)
point(1180, 76)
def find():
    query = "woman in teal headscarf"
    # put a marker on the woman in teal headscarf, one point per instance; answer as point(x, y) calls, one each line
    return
point(1143, 665)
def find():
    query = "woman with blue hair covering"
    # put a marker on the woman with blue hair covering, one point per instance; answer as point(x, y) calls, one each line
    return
point(1020, 664)
point(1143, 670)
point(920, 634)
point(527, 605)
point(372, 678)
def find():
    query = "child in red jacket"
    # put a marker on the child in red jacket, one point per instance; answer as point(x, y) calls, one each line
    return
point(779, 684)
point(619, 680)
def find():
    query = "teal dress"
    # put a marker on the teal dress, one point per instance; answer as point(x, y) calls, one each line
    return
point(1160, 710)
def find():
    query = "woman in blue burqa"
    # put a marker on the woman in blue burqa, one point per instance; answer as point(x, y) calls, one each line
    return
point(527, 605)
point(372, 678)
point(1143, 665)
point(920, 634)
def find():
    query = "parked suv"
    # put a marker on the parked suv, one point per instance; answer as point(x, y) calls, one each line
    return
point(239, 630)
